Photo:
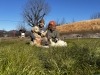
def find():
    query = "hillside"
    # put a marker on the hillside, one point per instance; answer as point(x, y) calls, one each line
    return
point(80, 27)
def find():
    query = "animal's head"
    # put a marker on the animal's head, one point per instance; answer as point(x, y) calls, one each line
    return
point(35, 29)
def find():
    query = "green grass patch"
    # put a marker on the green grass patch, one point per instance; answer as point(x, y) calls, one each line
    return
point(80, 57)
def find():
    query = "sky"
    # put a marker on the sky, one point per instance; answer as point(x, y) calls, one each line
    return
point(69, 10)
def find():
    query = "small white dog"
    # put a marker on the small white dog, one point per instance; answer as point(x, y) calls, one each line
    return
point(60, 43)
point(37, 40)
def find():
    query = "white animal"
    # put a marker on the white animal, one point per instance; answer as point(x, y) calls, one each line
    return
point(35, 29)
point(60, 43)
point(37, 40)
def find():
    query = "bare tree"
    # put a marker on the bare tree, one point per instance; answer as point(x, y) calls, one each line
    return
point(63, 21)
point(21, 26)
point(95, 16)
point(73, 20)
point(34, 11)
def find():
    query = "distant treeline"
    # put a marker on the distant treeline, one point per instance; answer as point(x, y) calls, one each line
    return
point(12, 33)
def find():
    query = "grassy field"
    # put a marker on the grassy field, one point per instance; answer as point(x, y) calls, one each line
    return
point(80, 57)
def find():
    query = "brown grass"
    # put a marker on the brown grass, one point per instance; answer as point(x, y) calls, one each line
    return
point(82, 26)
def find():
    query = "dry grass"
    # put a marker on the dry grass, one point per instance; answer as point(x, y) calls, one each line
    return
point(82, 26)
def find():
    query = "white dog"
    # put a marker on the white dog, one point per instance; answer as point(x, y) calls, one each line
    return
point(37, 40)
point(38, 37)
point(60, 43)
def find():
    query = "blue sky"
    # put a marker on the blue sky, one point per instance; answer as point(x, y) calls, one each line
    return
point(11, 11)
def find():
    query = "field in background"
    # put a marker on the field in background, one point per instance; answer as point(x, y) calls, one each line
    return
point(80, 57)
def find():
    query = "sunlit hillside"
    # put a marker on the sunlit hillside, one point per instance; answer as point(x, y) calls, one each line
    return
point(82, 26)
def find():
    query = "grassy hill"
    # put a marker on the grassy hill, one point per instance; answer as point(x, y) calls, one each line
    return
point(81, 27)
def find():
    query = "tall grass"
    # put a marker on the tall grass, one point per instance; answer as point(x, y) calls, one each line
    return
point(80, 57)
